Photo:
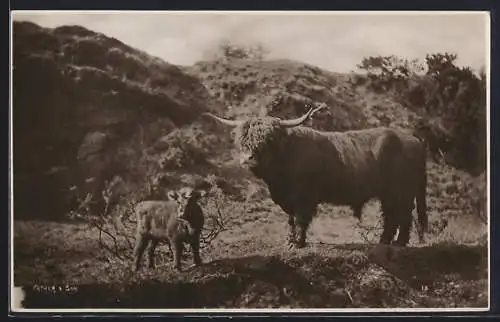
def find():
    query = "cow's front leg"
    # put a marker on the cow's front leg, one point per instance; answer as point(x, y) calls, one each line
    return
point(303, 220)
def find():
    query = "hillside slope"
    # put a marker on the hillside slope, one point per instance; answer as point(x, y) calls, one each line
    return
point(85, 105)
point(285, 88)
point(89, 106)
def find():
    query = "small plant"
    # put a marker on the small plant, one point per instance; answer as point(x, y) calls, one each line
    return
point(103, 223)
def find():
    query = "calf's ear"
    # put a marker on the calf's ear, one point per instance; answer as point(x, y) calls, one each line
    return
point(172, 195)
point(186, 192)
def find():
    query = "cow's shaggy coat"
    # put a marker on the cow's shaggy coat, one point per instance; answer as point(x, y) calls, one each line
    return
point(304, 167)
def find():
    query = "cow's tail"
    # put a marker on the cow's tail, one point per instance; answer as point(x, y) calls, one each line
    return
point(421, 200)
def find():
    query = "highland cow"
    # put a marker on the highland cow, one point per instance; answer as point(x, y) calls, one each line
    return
point(176, 221)
point(304, 167)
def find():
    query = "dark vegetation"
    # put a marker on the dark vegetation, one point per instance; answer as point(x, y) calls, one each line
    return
point(451, 101)
point(99, 126)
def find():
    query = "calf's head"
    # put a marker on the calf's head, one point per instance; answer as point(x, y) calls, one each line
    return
point(259, 138)
point(184, 197)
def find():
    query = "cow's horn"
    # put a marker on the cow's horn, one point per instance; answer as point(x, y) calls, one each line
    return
point(223, 120)
point(302, 119)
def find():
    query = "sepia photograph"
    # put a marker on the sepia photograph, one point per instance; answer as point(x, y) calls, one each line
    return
point(259, 161)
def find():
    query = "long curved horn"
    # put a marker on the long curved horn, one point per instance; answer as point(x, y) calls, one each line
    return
point(223, 120)
point(301, 119)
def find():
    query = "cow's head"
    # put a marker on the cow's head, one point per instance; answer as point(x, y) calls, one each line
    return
point(260, 138)
point(184, 196)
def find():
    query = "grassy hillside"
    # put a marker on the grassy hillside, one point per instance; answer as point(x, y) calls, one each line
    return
point(88, 108)
point(283, 88)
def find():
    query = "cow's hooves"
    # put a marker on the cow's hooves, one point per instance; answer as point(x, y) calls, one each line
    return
point(300, 245)
point(398, 244)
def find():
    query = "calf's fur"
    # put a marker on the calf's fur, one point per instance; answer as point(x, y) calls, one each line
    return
point(176, 221)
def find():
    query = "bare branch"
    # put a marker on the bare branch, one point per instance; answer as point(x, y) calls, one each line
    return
point(216, 228)
point(106, 226)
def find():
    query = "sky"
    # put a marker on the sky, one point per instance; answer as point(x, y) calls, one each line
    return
point(329, 40)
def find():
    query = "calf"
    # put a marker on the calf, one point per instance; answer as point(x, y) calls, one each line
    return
point(176, 221)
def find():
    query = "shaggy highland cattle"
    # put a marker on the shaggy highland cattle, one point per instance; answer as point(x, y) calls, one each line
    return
point(176, 221)
point(303, 167)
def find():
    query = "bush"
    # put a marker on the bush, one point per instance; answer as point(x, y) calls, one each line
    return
point(389, 72)
point(453, 95)
point(184, 156)
point(227, 50)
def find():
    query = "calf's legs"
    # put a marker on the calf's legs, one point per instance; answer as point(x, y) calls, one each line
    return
point(141, 242)
point(151, 253)
point(178, 248)
point(195, 248)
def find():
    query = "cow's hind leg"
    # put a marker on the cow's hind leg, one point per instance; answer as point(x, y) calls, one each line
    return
point(357, 210)
point(292, 233)
point(390, 224)
point(405, 223)
point(141, 243)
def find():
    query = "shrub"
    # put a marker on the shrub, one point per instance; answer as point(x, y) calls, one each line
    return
point(181, 157)
point(227, 50)
point(454, 95)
